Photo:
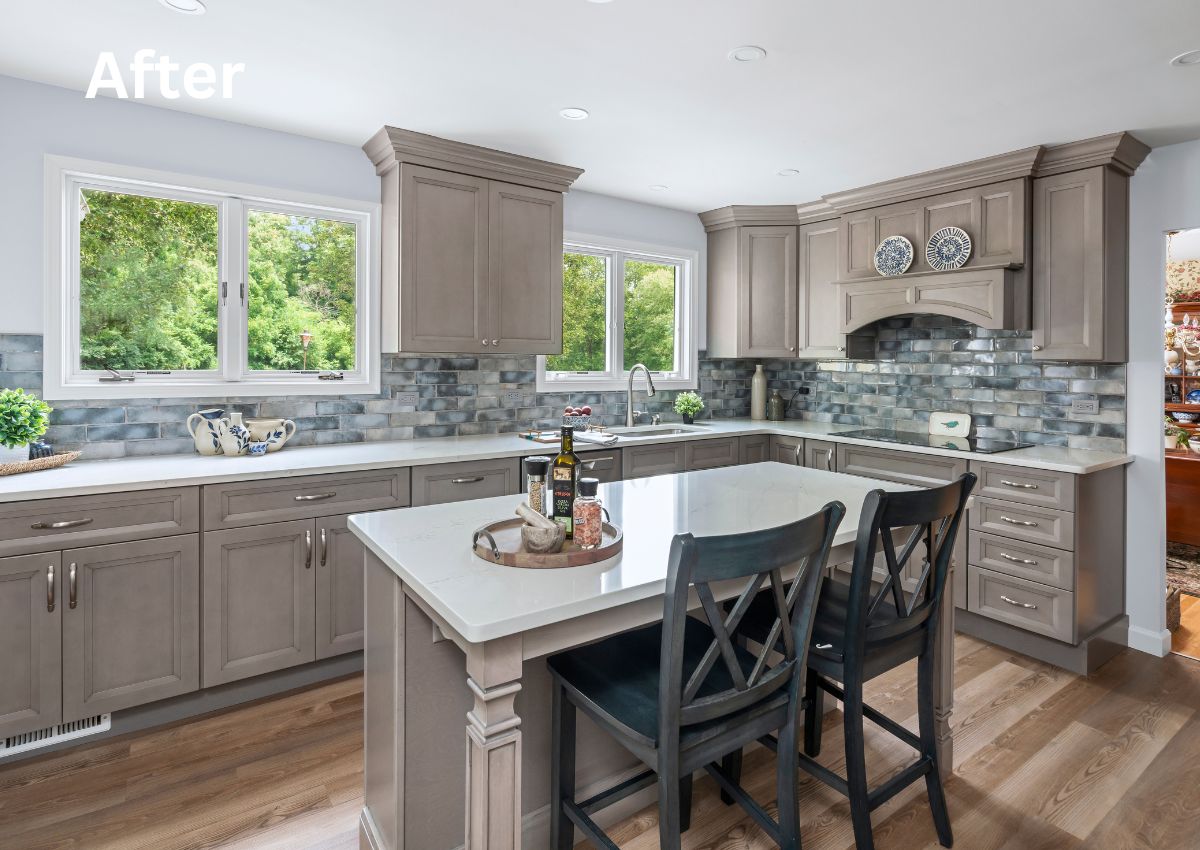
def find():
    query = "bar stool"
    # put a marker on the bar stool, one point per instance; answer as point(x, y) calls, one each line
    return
point(864, 629)
point(661, 693)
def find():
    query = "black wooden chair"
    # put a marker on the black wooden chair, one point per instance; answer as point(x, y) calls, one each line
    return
point(868, 627)
point(684, 694)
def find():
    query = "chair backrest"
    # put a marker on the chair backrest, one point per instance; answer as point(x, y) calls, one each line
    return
point(756, 561)
point(926, 522)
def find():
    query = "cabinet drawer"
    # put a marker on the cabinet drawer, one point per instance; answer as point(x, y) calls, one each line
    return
point(66, 523)
point(603, 465)
point(457, 482)
point(1023, 560)
point(1025, 604)
point(1028, 486)
point(898, 466)
point(281, 499)
point(708, 454)
point(1024, 522)
point(644, 461)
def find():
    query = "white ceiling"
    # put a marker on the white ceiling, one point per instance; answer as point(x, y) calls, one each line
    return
point(850, 93)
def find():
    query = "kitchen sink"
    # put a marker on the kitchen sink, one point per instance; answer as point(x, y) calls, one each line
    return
point(638, 432)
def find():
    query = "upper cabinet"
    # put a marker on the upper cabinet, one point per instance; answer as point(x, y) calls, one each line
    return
point(818, 296)
point(472, 246)
point(766, 292)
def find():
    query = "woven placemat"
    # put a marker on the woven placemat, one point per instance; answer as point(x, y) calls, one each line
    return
point(38, 464)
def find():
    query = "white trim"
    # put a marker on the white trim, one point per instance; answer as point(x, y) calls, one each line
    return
point(61, 378)
point(1153, 643)
point(687, 309)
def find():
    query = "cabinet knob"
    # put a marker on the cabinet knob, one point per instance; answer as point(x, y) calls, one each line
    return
point(791, 348)
point(484, 341)
point(1037, 348)
point(495, 342)
point(841, 348)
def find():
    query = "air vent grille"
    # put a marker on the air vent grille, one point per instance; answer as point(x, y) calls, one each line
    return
point(51, 735)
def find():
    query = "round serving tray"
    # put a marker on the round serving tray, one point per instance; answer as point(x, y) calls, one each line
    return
point(500, 543)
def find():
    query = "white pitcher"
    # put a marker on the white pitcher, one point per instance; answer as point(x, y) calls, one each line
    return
point(205, 428)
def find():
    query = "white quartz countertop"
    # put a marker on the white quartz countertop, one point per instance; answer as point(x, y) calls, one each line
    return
point(108, 476)
point(429, 548)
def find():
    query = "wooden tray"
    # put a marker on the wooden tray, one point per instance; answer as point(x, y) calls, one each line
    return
point(500, 543)
point(38, 464)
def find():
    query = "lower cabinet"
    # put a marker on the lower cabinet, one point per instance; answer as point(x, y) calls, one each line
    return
point(788, 450)
point(339, 568)
point(820, 454)
point(655, 459)
point(754, 449)
point(604, 465)
point(709, 454)
point(31, 605)
point(440, 483)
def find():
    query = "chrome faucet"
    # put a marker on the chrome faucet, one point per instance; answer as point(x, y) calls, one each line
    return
point(629, 411)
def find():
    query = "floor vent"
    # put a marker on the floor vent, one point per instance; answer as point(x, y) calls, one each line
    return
point(51, 735)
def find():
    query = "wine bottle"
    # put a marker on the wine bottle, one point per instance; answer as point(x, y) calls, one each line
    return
point(564, 475)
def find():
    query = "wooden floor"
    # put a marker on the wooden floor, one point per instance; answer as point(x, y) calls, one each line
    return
point(1046, 761)
point(1186, 639)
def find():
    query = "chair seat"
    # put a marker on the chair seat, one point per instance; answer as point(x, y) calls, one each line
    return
point(619, 677)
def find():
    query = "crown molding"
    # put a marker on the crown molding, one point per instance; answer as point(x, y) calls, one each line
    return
point(748, 214)
point(1122, 151)
point(814, 211)
point(392, 146)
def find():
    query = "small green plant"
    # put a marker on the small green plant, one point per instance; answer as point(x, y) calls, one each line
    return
point(688, 404)
point(23, 418)
point(1181, 435)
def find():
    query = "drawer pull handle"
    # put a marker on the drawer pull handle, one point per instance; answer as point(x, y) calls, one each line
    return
point(61, 524)
point(50, 588)
point(591, 464)
point(799, 460)
point(315, 497)
point(72, 587)
point(1018, 485)
point(324, 546)
point(1024, 522)
point(307, 550)
point(1009, 557)
point(1029, 605)
point(474, 480)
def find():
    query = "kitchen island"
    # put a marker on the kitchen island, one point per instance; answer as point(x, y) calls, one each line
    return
point(453, 641)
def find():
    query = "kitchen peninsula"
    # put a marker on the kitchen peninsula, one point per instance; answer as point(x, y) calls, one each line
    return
point(451, 638)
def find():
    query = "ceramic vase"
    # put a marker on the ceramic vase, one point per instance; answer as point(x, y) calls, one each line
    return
point(273, 432)
point(234, 435)
point(758, 394)
point(205, 428)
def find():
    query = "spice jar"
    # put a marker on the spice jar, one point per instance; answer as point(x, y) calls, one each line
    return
point(535, 482)
point(587, 515)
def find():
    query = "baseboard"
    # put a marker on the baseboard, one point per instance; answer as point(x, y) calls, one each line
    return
point(368, 833)
point(1150, 642)
point(1084, 658)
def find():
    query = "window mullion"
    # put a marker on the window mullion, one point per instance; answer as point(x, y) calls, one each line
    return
point(616, 289)
point(233, 326)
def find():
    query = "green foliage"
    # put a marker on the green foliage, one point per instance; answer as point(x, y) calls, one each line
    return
point(583, 315)
point(23, 418)
point(650, 315)
point(688, 404)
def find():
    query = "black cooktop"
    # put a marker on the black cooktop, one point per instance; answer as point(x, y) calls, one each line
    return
point(911, 438)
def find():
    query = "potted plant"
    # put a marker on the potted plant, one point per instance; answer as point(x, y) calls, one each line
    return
point(23, 418)
point(688, 405)
point(1174, 437)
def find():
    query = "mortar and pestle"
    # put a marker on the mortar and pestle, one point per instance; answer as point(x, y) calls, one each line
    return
point(540, 535)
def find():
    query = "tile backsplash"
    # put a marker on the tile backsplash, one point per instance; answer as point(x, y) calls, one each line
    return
point(923, 363)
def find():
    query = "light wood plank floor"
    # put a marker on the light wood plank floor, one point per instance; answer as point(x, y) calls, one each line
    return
point(1046, 761)
point(1186, 639)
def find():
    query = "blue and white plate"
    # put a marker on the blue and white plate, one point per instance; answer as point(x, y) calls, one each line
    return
point(949, 248)
point(893, 256)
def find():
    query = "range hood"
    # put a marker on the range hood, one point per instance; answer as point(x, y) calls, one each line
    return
point(995, 298)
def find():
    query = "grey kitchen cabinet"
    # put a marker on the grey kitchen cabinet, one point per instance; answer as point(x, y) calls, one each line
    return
point(259, 600)
point(754, 449)
point(339, 589)
point(439, 483)
point(1080, 266)
point(655, 459)
point(130, 625)
point(709, 454)
point(31, 602)
point(817, 293)
point(820, 454)
point(603, 465)
point(525, 269)
point(752, 291)
point(788, 450)
point(242, 503)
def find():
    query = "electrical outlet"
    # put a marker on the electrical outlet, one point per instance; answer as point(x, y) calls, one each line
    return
point(512, 397)
point(407, 398)
point(1085, 405)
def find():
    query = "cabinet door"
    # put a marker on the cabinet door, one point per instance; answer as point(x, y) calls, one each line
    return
point(819, 454)
point(1079, 274)
point(710, 454)
point(525, 233)
point(31, 602)
point(818, 293)
point(258, 600)
point(755, 449)
point(767, 291)
point(443, 261)
point(658, 459)
point(339, 588)
point(131, 628)
point(789, 450)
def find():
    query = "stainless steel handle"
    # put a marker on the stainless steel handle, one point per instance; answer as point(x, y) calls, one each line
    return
point(50, 588)
point(1018, 485)
point(474, 480)
point(484, 341)
point(1037, 348)
point(1011, 521)
point(1028, 605)
point(1009, 557)
point(315, 497)
point(829, 460)
point(66, 523)
point(841, 348)
point(307, 549)
point(591, 464)
point(324, 547)
point(72, 587)
point(799, 461)
point(495, 342)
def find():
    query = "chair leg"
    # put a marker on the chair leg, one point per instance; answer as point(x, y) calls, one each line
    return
point(562, 770)
point(856, 766)
point(685, 803)
point(670, 827)
point(732, 765)
point(787, 798)
point(933, 779)
point(814, 714)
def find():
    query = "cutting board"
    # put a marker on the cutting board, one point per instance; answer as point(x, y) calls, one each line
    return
point(943, 424)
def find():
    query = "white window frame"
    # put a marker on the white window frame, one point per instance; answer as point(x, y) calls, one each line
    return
point(63, 379)
point(686, 317)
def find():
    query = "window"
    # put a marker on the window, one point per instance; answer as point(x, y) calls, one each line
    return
point(161, 285)
point(623, 304)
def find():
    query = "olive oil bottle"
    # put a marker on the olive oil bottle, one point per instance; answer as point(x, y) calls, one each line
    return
point(564, 475)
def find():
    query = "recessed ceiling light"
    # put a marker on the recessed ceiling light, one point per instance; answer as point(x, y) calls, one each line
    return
point(658, 187)
point(573, 113)
point(187, 7)
point(747, 53)
point(788, 172)
point(1192, 57)
point(599, 1)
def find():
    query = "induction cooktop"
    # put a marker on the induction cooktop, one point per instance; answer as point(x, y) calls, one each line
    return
point(911, 438)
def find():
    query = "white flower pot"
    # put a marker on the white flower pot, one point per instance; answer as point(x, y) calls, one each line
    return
point(14, 455)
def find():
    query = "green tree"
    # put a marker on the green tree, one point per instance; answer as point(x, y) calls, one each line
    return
point(650, 315)
point(584, 277)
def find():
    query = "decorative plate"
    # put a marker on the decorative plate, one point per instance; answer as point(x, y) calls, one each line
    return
point(1193, 396)
point(893, 256)
point(949, 248)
